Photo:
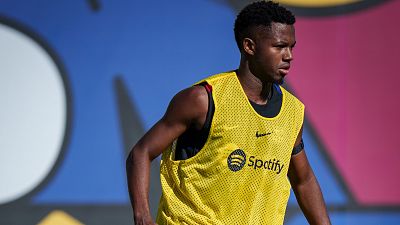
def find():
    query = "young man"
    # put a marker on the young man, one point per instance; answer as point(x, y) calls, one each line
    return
point(230, 141)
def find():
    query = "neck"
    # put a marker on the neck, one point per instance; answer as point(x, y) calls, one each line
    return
point(256, 90)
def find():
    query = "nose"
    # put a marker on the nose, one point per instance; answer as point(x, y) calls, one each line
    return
point(288, 55)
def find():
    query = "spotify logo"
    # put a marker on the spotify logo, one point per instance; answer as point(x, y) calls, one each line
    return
point(236, 160)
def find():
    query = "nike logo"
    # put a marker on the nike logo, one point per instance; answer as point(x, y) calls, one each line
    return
point(262, 134)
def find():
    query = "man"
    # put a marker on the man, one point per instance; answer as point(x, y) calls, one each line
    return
point(230, 141)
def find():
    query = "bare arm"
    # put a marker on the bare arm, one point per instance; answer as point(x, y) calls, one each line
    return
point(306, 188)
point(188, 107)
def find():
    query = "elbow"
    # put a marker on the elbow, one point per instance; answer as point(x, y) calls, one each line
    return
point(307, 183)
point(129, 162)
point(138, 154)
point(133, 155)
point(302, 180)
point(129, 159)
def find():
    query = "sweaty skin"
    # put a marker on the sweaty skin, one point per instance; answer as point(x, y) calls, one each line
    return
point(265, 58)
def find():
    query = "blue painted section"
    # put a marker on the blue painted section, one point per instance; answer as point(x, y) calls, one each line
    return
point(365, 218)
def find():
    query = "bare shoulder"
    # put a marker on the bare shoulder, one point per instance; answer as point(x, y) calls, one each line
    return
point(190, 105)
point(196, 95)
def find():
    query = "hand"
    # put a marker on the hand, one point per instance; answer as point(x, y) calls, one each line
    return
point(144, 220)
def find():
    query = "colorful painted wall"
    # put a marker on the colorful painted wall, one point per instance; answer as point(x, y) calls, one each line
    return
point(81, 81)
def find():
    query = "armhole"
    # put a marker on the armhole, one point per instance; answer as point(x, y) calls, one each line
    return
point(192, 140)
point(210, 112)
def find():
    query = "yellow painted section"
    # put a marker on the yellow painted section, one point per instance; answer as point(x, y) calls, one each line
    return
point(317, 3)
point(58, 217)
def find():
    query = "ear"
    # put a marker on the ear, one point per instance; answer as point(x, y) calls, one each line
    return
point(249, 46)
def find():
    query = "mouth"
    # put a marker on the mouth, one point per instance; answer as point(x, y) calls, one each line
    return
point(284, 69)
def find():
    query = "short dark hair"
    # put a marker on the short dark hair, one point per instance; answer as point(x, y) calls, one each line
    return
point(260, 13)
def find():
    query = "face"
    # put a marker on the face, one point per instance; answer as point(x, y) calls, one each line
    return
point(270, 52)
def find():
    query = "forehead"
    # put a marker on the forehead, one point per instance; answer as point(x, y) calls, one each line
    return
point(277, 31)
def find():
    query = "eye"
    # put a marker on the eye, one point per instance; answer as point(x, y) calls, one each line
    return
point(280, 46)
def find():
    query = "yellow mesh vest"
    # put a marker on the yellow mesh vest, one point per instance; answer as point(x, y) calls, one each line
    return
point(240, 175)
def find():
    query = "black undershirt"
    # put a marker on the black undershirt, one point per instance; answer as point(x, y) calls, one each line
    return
point(192, 140)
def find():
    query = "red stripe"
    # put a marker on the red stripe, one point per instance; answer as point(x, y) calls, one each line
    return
point(208, 87)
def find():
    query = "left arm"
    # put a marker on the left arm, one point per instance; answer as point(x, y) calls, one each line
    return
point(306, 188)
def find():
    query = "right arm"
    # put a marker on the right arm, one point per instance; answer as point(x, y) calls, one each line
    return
point(187, 108)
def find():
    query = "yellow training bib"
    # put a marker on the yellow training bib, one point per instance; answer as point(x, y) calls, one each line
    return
point(240, 175)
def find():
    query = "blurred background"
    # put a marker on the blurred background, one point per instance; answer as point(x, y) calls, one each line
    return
point(81, 81)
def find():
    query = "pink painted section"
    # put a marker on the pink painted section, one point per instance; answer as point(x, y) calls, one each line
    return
point(346, 72)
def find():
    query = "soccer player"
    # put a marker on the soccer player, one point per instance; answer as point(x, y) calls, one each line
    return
point(231, 141)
